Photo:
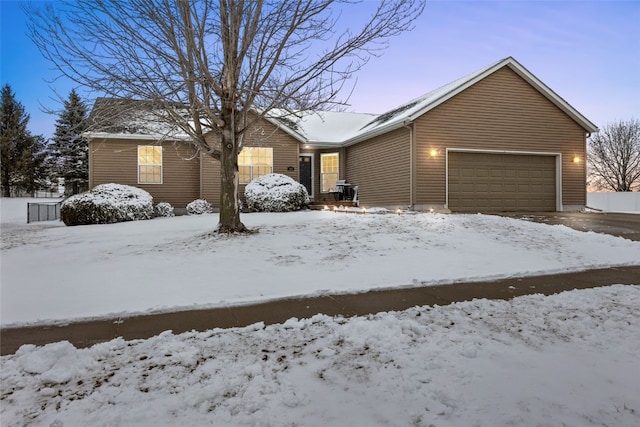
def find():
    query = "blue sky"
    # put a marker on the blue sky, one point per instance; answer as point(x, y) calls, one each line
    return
point(588, 52)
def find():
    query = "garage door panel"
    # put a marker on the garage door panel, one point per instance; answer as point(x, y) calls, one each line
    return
point(501, 182)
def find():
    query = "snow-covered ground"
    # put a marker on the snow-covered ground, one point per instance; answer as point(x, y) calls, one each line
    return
point(53, 272)
point(564, 360)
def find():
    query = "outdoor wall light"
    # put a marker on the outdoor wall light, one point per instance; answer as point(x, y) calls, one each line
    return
point(434, 152)
point(576, 159)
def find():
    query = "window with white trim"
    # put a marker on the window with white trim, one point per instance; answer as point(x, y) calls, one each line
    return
point(329, 171)
point(253, 162)
point(149, 164)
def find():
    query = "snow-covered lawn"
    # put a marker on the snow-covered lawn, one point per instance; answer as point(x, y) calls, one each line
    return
point(53, 272)
point(569, 359)
point(564, 360)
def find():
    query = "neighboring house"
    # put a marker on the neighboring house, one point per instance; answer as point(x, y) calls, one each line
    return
point(496, 140)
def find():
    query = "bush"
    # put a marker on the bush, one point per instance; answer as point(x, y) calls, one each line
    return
point(276, 193)
point(199, 207)
point(164, 210)
point(107, 204)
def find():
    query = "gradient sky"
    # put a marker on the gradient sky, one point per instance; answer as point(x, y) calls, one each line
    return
point(588, 52)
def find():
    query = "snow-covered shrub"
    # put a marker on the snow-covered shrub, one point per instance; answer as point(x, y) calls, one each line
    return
point(106, 204)
point(199, 207)
point(164, 210)
point(276, 193)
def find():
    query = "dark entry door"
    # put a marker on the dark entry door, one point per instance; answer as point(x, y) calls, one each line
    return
point(305, 173)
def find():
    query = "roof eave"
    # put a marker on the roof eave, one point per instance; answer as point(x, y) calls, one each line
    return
point(375, 132)
point(287, 129)
point(529, 78)
point(136, 136)
point(556, 99)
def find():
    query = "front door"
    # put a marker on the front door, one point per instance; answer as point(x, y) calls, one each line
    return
point(305, 173)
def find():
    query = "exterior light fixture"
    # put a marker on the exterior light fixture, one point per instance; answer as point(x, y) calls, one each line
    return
point(364, 210)
point(398, 211)
point(326, 208)
point(433, 152)
point(576, 159)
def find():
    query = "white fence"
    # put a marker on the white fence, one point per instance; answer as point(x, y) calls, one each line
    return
point(614, 202)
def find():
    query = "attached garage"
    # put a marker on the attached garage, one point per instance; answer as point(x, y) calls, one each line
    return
point(501, 182)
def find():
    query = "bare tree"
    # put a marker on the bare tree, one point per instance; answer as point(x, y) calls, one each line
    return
point(226, 63)
point(614, 157)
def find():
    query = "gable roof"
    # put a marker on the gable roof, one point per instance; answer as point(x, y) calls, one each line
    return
point(413, 109)
point(133, 119)
point(324, 129)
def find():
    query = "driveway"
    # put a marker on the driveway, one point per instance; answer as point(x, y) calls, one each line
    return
point(616, 224)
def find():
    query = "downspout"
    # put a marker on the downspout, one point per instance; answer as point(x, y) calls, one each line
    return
point(411, 165)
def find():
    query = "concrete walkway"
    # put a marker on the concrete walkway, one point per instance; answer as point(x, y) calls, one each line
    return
point(86, 333)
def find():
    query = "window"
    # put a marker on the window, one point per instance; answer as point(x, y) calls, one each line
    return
point(253, 162)
point(329, 168)
point(149, 164)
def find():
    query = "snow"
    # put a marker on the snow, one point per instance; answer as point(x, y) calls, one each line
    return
point(331, 127)
point(568, 359)
point(51, 272)
point(276, 192)
point(107, 203)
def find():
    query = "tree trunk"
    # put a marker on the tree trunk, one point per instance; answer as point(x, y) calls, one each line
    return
point(229, 195)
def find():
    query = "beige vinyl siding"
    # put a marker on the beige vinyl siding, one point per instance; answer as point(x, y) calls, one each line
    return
point(116, 161)
point(501, 112)
point(263, 134)
point(380, 169)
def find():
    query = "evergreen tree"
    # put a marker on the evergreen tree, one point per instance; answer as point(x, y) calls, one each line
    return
point(69, 146)
point(22, 154)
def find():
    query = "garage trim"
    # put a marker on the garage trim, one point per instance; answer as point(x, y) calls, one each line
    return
point(558, 158)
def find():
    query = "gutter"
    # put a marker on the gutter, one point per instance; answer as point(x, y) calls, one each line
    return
point(137, 136)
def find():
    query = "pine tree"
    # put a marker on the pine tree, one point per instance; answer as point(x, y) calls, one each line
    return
point(22, 154)
point(69, 146)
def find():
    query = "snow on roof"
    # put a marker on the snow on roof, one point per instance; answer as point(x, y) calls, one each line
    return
point(335, 128)
point(134, 119)
point(418, 106)
point(331, 127)
point(410, 111)
point(342, 129)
